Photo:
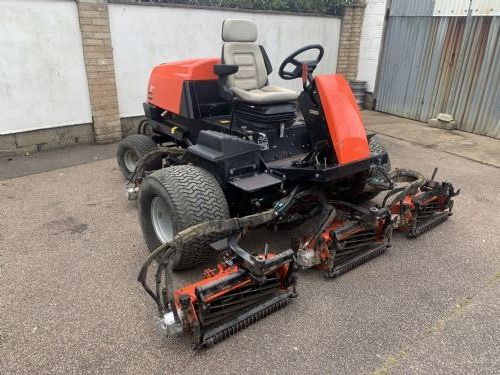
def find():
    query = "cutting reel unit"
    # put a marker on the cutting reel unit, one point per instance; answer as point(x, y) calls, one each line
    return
point(240, 290)
point(245, 287)
point(420, 204)
point(348, 236)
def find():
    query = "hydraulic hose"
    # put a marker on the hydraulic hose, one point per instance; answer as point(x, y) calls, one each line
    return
point(217, 229)
point(415, 179)
point(152, 155)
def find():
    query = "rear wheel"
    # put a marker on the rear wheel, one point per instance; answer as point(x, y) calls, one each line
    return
point(144, 127)
point(175, 198)
point(131, 149)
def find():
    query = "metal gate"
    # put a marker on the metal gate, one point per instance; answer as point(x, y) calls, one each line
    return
point(442, 56)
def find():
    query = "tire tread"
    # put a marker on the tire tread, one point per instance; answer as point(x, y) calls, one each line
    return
point(198, 198)
point(141, 143)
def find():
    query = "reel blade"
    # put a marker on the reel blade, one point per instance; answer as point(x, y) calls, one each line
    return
point(428, 224)
point(216, 335)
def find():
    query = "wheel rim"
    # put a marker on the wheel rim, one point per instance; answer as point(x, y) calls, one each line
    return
point(162, 220)
point(131, 158)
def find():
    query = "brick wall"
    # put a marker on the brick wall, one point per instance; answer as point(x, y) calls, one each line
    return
point(350, 36)
point(98, 55)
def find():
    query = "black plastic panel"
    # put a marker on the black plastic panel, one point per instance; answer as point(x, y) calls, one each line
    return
point(217, 146)
point(204, 100)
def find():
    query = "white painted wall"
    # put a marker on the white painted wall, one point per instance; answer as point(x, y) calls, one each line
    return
point(42, 73)
point(371, 41)
point(144, 36)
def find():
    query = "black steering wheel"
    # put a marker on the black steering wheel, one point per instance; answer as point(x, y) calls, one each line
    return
point(301, 67)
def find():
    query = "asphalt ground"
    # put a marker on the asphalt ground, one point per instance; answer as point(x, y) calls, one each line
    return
point(71, 248)
point(24, 165)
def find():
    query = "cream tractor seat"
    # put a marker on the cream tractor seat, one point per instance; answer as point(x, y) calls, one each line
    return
point(249, 83)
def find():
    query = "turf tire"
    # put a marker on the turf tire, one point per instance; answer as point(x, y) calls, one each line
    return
point(356, 193)
point(139, 144)
point(377, 147)
point(192, 196)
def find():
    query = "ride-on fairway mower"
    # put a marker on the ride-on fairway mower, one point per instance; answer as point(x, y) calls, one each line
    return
point(228, 152)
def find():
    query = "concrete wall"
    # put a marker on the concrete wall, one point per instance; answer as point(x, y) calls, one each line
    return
point(42, 75)
point(143, 36)
point(371, 41)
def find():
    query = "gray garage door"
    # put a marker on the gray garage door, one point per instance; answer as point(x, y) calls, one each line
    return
point(442, 58)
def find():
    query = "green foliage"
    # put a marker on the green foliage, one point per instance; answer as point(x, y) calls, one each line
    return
point(332, 7)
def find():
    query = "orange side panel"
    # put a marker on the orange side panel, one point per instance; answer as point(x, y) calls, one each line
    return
point(190, 289)
point(343, 118)
point(166, 80)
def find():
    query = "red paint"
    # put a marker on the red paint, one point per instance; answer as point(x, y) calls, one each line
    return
point(166, 80)
point(210, 276)
point(343, 118)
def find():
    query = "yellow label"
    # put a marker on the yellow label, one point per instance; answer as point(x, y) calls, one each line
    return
point(173, 130)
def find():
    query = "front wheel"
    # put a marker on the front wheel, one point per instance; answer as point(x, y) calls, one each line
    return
point(355, 192)
point(175, 198)
point(377, 147)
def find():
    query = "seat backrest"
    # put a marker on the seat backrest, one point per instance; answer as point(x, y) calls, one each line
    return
point(240, 49)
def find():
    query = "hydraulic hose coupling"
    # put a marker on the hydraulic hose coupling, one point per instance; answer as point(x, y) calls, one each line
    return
point(167, 325)
point(132, 193)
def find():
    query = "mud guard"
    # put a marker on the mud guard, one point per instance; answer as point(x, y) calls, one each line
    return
point(342, 115)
